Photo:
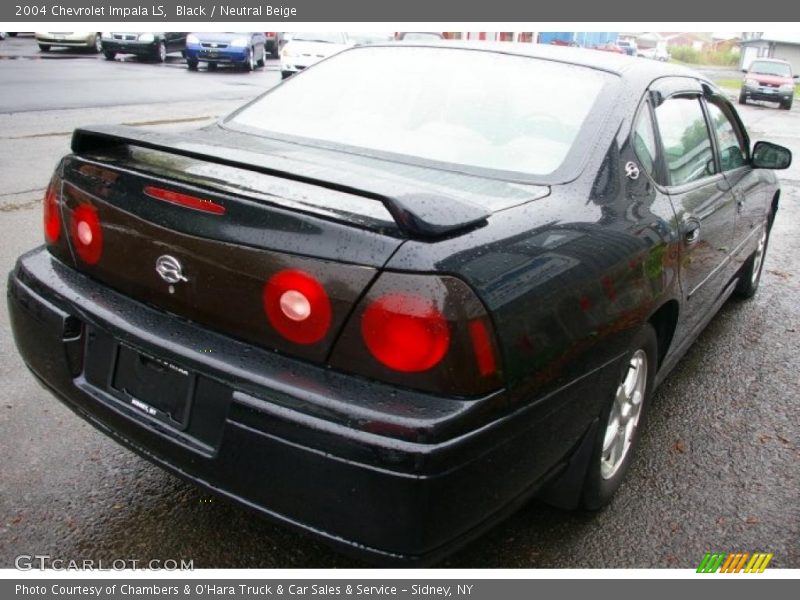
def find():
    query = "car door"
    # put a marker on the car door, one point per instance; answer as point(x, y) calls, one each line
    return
point(701, 197)
point(746, 184)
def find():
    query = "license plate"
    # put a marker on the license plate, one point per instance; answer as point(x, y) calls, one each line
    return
point(154, 386)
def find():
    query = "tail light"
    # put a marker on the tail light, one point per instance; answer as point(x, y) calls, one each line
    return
point(421, 331)
point(86, 234)
point(405, 332)
point(297, 306)
point(52, 211)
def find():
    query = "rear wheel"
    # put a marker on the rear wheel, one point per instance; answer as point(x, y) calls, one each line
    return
point(250, 63)
point(750, 276)
point(622, 421)
point(109, 54)
point(286, 74)
point(192, 64)
point(263, 60)
point(742, 98)
point(97, 46)
point(44, 47)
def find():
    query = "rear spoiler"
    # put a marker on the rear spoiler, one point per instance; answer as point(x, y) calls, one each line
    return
point(418, 213)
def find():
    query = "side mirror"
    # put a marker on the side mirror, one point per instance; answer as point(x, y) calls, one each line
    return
point(767, 155)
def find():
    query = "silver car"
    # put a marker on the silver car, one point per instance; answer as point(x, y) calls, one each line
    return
point(70, 39)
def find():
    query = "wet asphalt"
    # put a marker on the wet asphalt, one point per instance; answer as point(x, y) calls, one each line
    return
point(718, 467)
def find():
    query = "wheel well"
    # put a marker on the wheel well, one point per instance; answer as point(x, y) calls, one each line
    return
point(664, 321)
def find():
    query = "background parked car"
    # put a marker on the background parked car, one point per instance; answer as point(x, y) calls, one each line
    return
point(769, 79)
point(629, 46)
point(69, 39)
point(369, 37)
point(304, 49)
point(654, 54)
point(272, 43)
point(247, 50)
point(418, 36)
point(610, 47)
point(154, 46)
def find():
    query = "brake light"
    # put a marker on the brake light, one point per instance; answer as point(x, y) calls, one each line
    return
point(52, 211)
point(297, 306)
point(87, 234)
point(405, 332)
point(184, 200)
point(427, 332)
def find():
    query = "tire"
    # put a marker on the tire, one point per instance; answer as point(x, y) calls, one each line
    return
point(263, 60)
point(742, 98)
point(787, 105)
point(750, 275)
point(13, 33)
point(192, 64)
point(44, 47)
point(109, 54)
point(212, 66)
point(97, 46)
point(250, 63)
point(612, 454)
point(286, 74)
point(161, 53)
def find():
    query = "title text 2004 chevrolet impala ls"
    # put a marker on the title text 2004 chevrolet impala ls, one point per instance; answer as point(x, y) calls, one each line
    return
point(401, 293)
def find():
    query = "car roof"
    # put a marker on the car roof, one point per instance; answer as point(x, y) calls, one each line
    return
point(636, 69)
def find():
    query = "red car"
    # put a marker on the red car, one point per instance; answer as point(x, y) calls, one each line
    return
point(610, 47)
point(769, 79)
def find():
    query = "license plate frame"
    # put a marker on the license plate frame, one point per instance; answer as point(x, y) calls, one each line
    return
point(154, 386)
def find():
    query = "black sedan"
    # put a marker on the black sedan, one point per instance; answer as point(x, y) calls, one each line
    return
point(392, 319)
point(149, 45)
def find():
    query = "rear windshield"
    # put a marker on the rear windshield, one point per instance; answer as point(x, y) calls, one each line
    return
point(770, 68)
point(469, 108)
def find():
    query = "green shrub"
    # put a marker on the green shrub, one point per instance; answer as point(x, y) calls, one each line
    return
point(687, 54)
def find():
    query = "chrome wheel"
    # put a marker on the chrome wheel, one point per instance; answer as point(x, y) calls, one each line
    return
point(162, 52)
point(758, 258)
point(98, 43)
point(624, 416)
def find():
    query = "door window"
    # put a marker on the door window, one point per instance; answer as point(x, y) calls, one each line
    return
point(685, 137)
point(732, 149)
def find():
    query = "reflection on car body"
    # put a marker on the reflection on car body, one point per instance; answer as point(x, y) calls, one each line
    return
point(402, 314)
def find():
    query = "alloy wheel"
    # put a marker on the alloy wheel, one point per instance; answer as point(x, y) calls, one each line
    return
point(624, 417)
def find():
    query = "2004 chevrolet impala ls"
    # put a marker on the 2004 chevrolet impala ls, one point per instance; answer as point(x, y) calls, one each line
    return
point(401, 293)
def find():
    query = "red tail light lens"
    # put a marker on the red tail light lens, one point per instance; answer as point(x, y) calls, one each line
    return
point(86, 234)
point(52, 211)
point(482, 346)
point(427, 332)
point(405, 332)
point(297, 306)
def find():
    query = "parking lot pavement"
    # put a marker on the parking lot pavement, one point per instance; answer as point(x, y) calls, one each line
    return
point(717, 470)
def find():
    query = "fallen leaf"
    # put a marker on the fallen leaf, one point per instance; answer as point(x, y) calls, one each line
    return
point(752, 520)
point(680, 446)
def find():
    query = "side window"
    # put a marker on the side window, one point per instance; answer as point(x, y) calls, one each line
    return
point(732, 150)
point(687, 144)
point(644, 142)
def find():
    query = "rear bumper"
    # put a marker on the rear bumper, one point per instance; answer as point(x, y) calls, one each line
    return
point(381, 472)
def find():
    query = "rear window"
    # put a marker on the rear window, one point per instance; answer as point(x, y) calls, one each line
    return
point(763, 67)
point(469, 108)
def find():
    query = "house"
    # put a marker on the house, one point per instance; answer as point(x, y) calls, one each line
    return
point(785, 46)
